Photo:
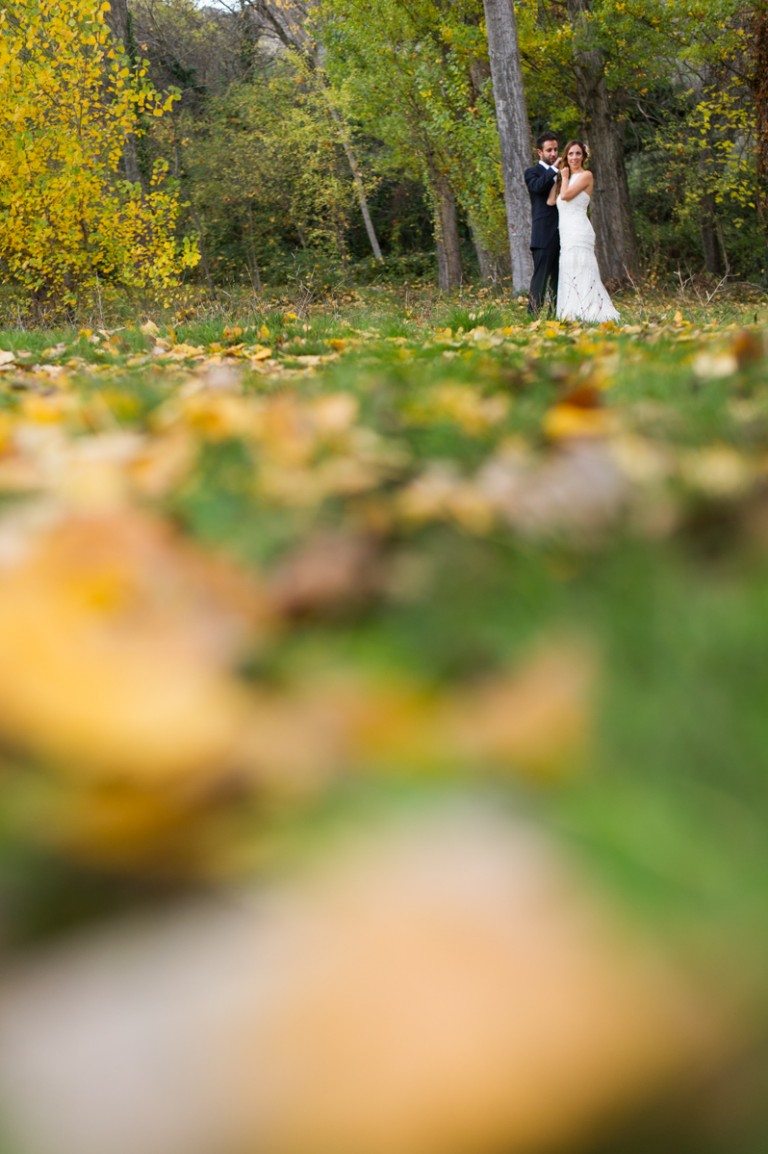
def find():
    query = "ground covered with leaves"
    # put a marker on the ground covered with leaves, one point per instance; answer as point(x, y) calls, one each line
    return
point(482, 601)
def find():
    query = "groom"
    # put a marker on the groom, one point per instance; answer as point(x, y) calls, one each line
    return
point(545, 239)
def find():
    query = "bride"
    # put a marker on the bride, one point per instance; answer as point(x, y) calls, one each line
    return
point(581, 295)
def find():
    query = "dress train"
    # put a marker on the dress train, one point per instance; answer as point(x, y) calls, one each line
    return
point(581, 294)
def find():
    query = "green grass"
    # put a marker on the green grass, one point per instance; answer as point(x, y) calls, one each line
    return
point(668, 807)
point(674, 599)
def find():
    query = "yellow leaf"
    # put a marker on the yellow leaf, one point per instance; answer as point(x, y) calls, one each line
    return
point(115, 651)
point(564, 421)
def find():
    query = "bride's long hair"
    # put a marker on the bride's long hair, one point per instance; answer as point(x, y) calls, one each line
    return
point(564, 161)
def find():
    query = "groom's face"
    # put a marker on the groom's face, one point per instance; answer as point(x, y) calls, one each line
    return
point(549, 152)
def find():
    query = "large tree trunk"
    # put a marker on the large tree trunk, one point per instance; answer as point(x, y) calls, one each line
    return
point(514, 133)
point(449, 270)
point(759, 85)
point(611, 211)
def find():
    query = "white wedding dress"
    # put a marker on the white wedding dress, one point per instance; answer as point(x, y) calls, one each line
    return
point(581, 295)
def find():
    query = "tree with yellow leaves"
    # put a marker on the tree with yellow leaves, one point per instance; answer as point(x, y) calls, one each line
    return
point(70, 221)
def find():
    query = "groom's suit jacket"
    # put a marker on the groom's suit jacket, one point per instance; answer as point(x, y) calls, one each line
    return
point(539, 179)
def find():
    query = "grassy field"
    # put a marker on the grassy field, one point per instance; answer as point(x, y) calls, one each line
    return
point(271, 578)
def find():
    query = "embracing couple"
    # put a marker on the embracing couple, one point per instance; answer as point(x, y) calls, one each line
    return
point(562, 236)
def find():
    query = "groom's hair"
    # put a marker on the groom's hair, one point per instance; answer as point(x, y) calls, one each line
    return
point(543, 138)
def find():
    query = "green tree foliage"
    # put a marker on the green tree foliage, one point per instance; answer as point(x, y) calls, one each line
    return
point(255, 106)
point(704, 142)
point(417, 78)
point(69, 101)
point(682, 79)
point(268, 175)
point(680, 86)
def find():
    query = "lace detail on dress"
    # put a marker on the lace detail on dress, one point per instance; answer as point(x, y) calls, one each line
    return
point(581, 294)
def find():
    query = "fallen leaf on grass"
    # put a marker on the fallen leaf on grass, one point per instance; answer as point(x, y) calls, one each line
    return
point(536, 722)
point(748, 347)
point(461, 404)
point(431, 988)
point(717, 471)
point(214, 415)
point(163, 463)
point(117, 644)
point(260, 353)
point(217, 376)
point(439, 493)
point(533, 722)
point(311, 360)
point(586, 395)
point(715, 365)
point(576, 419)
point(443, 987)
point(643, 461)
point(333, 571)
point(334, 414)
point(49, 408)
point(183, 352)
point(98, 472)
point(576, 489)
point(180, 830)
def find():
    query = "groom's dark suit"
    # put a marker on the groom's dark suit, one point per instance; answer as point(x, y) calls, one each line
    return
point(545, 239)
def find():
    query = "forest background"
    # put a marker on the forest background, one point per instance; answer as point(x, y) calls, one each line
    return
point(302, 141)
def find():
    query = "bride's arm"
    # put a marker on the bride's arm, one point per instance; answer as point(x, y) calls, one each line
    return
point(572, 186)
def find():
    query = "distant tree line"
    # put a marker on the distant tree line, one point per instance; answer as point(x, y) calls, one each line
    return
point(284, 136)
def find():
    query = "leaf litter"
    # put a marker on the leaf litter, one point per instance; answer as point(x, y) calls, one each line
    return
point(230, 650)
